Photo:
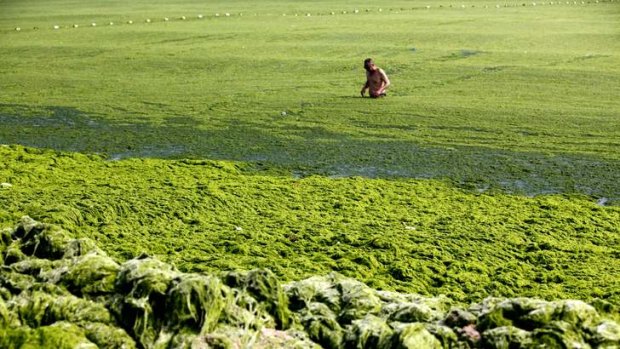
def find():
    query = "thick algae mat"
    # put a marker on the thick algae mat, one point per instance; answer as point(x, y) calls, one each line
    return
point(61, 292)
point(523, 97)
point(520, 98)
point(414, 236)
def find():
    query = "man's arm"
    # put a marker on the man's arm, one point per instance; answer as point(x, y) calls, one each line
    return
point(366, 86)
point(385, 79)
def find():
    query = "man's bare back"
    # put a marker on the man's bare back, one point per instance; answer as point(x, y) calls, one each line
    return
point(376, 80)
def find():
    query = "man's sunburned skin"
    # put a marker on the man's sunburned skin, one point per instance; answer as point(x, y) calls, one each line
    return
point(376, 80)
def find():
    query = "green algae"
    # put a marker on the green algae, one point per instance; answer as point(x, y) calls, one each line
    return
point(506, 337)
point(322, 325)
point(37, 309)
point(356, 299)
point(264, 286)
point(544, 123)
point(142, 284)
point(195, 302)
point(4, 313)
point(154, 305)
point(92, 275)
point(607, 334)
point(369, 332)
point(444, 334)
point(416, 336)
point(60, 335)
point(107, 336)
point(417, 236)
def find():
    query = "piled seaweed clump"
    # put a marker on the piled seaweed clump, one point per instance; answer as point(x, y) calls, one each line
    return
point(60, 292)
point(339, 312)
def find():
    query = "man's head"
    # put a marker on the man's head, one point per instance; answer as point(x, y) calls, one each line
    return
point(369, 65)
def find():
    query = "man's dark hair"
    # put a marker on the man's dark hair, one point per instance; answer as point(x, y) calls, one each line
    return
point(367, 63)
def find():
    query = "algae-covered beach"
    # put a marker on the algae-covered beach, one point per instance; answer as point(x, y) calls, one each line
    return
point(193, 175)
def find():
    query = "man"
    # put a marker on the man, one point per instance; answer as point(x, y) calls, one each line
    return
point(376, 80)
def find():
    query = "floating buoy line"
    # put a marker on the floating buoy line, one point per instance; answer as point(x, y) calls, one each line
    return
point(330, 13)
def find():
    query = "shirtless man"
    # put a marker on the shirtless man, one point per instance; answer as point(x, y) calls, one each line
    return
point(376, 80)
